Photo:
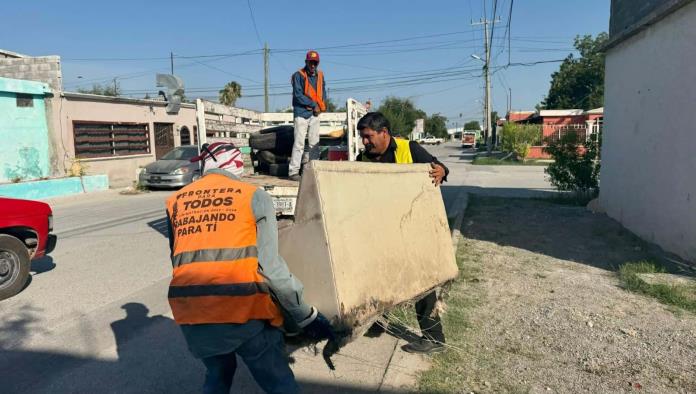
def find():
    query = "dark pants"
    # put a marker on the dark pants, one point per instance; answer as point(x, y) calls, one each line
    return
point(429, 322)
point(266, 359)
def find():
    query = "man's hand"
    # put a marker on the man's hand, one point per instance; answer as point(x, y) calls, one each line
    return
point(437, 172)
point(320, 328)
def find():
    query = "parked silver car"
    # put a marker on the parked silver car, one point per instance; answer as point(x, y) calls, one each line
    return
point(173, 169)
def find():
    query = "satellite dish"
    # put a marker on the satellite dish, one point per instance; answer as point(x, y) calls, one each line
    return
point(173, 92)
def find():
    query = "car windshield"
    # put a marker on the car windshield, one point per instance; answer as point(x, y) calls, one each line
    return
point(181, 153)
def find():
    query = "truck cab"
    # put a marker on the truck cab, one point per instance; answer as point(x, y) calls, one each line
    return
point(25, 235)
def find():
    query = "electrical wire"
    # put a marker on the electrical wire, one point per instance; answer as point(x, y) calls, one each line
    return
point(253, 21)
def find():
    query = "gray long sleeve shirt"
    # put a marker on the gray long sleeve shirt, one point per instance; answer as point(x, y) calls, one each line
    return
point(206, 340)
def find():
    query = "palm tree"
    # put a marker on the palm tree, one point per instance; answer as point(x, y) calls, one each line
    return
point(230, 93)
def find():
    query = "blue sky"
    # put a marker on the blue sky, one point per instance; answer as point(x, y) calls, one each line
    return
point(369, 49)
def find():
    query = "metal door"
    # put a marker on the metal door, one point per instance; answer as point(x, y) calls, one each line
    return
point(164, 138)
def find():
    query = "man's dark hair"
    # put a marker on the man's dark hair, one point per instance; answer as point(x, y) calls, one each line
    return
point(375, 121)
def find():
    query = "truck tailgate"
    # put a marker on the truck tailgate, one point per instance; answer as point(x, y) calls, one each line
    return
point(283, 191)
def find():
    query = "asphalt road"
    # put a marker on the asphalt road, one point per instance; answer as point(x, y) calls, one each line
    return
point(94, 317)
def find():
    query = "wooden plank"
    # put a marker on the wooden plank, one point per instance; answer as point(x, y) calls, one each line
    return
point(216, 125)
point(220, 109)
point(236, 141)
point(287, 117)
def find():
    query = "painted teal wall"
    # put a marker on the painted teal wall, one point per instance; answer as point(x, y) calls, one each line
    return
point(54, 187)
point(24, 150)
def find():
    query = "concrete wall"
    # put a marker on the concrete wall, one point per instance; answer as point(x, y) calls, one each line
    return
point(24, 151)
point(49, 188)
point(45, 69)
point(121, 170)
point(648, 179)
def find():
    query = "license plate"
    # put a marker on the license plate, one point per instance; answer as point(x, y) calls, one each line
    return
point(283, 204)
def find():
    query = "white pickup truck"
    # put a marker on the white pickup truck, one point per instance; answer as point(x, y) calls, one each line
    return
point(430, 140)
point(217, 122)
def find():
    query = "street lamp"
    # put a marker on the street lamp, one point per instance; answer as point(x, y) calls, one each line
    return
point(477, 57)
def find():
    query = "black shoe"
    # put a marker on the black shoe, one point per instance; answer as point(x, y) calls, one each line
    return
point(295, 177)
point(424, 346)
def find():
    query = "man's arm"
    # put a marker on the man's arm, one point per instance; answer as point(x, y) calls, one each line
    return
point(170, 234)
point(286, 287)
point(420, 155)
point(298, 91)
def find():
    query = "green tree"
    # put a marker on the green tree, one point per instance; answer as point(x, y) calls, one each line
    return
point(579, 82)
point(402, 115)
point(112, 89)
point(330, 105)
point(230, 93)
point(436, 125)
point(518, 139)
point(574, 168)
point(472, 125)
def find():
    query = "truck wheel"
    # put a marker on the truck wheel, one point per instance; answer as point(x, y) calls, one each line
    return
point(280, 142)
point(279, 170)
point(14, 266)
point(271, 158)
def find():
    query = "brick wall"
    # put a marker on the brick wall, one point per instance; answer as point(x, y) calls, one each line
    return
point(45, 69)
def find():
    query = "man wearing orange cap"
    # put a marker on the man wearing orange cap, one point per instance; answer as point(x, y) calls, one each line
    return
point(308, 95)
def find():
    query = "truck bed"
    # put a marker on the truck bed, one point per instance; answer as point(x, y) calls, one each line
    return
point(269, 180)
point(283, 191)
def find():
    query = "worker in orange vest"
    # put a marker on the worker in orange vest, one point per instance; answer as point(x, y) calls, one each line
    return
point(308, 101)
point(231, 292)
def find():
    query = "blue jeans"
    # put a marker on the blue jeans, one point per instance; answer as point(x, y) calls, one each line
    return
point(266, 359)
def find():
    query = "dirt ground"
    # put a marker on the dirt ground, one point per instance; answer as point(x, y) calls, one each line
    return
point(543, 309)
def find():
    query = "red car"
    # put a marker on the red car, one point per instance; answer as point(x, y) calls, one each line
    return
point(25, 235)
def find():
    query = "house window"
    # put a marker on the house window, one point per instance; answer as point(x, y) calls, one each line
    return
point(25, 100)
point(185, 136)
point(106, 139)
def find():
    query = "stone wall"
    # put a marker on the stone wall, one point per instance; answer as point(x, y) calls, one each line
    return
point(44, 69)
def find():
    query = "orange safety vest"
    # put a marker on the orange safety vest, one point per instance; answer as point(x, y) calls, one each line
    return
point(216, 275)
point(317, 95)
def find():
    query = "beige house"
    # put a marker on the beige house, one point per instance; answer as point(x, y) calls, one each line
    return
point(116, 136)
point(106, 135)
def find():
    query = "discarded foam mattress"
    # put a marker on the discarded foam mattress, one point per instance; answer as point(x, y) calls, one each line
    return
point(367, 237)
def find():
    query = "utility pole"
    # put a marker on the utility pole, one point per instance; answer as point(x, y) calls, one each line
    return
point(486, 70)
point(171, 61)
point(510, 103)
point(265, 77)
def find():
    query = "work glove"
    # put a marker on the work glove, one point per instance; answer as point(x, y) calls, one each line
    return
point(320, 328)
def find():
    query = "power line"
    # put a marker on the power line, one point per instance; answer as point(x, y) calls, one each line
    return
point(253, 20)
point(508, 32)
point(225, 72)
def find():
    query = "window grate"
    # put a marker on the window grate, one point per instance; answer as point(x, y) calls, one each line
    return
point(103, 139)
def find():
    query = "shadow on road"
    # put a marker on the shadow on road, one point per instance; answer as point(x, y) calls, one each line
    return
point(152, 358)
point(565, 232)
point(42, 265)
point(159, 225)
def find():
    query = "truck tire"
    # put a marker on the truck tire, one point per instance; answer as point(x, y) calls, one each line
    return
point(276, 129)
point(14, 266)
point(279, 170)
point(271, 158)
point(280, 142)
